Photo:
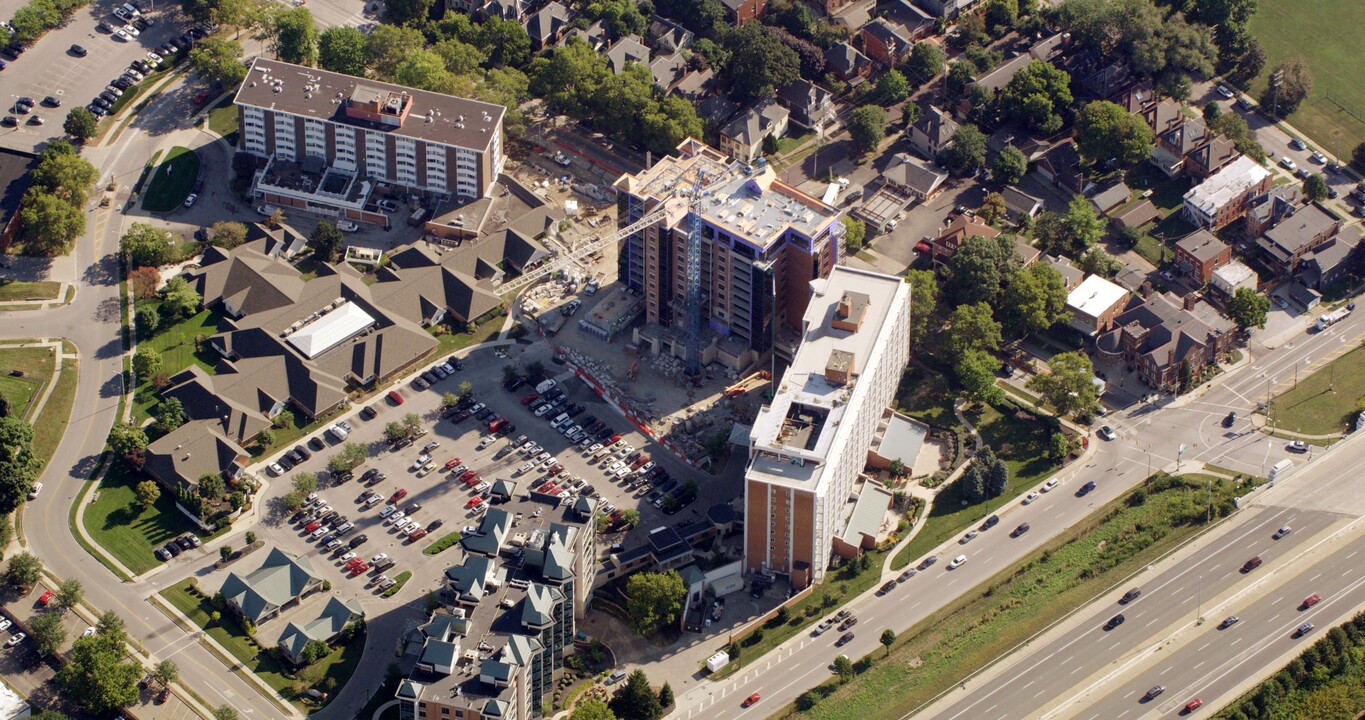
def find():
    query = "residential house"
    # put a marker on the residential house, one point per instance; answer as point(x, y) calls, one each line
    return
point(695, 86)
point(947, 9)
point(1270, 207)
point(628, 49)
point(1135, 215)
point(336, 616)
point(1295, 236)
point(281, 581)
point(1111, 198)
point(810, 105)
point(885, 41)
point(517, 10)
point(1071, 275)
point(667, 36)
point(668, 71)
point(179, 458)
point(917, 23)
point(1169, 343)
point(1061, 166)
point(742, 11)
point(548, 25)
point(912, 176)
point(715, 111)
point(961, 228)
point(1019, 205)
point(932, 132)
point(1094, 304)
point(846, 63)
point(743, 137)
point(595, 35)
point(1230, 278)
point(1137, 98)
point(1161, 117)
point(1333, 260)
point(1223, 197)
point(1190, 148)
point(1108, 80)
point(1199, 254)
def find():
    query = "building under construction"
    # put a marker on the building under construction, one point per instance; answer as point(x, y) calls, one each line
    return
point(760, 241)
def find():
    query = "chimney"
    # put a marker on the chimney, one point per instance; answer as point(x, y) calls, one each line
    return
point(1190, 301)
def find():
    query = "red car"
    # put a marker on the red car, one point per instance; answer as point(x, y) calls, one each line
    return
point(555, 470)
point(469, 477)
point(751, 700)
point(450, 464)
point(395, 397)
point(358, 569)
point(474, 502)
point(46, 598)
point(310, 527)
point(353, 562)
point(418, 534)
point(402, 493)
point(613, 439)
point(529, 398)
point(1312, 600)
point(1193, 705)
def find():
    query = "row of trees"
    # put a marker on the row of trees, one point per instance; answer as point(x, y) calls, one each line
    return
point(1322, 682)
point(52, 212)
point(36, 17)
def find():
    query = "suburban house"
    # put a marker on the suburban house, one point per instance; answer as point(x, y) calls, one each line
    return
point(1223, 197)
point(548, 25)
point(932, 132)
point(917, 23)
point(715, 111)
point(1333, 260)
point(946, 8)
point(742, 11)
point(1111, 198)
point(179, 458)
point(1270, 207)
point(1094, 304)
point(1061, 166)
point(1161, 117)
point(742, 138)
point(1190, 148)
point(1164, 339)
point(913, 176)
point(961, 228)
point(885, 41)
point(667, 36)
point(1295, 236)
point(517, 10)
point(1019, 205)
point(1230, 278)
point(595, 35)
point(281, 581)
point(335, 617)
point(628, 49)
point(846, 63)
point(1071, 275)
point(809, 104)
point(669, 70)
point(1199, 254)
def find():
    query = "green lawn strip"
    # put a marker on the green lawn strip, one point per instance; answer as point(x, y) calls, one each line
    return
point(1153, 250)
point(1326, 681)
point(402, 579)
point(983, 625)
point(838, 587)
point(36, 365)
point(223, 119)
point(172, 181)
point(20, 290)
point(1020, 440)
point(176, 344)
point(49, 426)
point(128, 534)
point(85, 545)
point(925, 395)
point(445, 542)
point(1332, 115)
point(451, 342)
point(1324, 402)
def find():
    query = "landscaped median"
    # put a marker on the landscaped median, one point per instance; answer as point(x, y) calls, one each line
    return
point(401, 579)
point(1325, 402)
point(445, 542)
point(172, 181)
point(983, 625)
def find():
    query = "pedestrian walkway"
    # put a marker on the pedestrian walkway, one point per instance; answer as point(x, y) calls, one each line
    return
point(58, 301)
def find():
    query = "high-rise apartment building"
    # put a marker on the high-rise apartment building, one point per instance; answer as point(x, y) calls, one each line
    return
point(331, 139)
point(809, 444)
point(763, 241)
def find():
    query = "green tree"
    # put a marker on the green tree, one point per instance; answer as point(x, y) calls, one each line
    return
point(227, 234)
point(1248, 309)
point(973, 485)
point(295, 38)
point(326, 241)
point(80, 123)
point(1107, 133)
point(50, 715)
point(1035, 299)
point(1058, 446)
point(759, 63)
point(888, 639)
point(69, 594)
point(1069, 386)
point(50, 224)
point(973, 328)
point(992, 208)
point(64, 173)
point(407, 12)
point(966, 153)
point(1096, 261)
point(126, 439)
point(304, 482)
point(1358, 157)
point(49, 634)
point(592, 709)
point(654, 600)
point(23, 570)
point(6, 533)
point(1296, 82)
point(343, 49)
point(1037, 96)
point(146, 361)
point(620, 17)
point(1002, 13)
point(225, 712)
point(855, 231)
point(1009, 166)
point(892, 87)
point(843, 667)
point(18, 466)
point(178, 299)
point(395, 431)
point(867, 128)
point(165, 673)
point(1315, 187)
point(978, 268)
point(349, 458)
point(997, 478)
point(976, 373)
point(211, 486)
point(1073, 233)
point(924, 62)
point(148, 492)
point(170, 414)
point(636, 699)
point(413, 421)
point(426, 70)
point(389, 45)
point(923, 302)
point(505, 42)
point(219, 59)
point(314, 651)
point(97, 677)
point(666, 695)
point(630, 518)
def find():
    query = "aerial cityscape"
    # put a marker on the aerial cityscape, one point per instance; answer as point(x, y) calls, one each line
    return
point(688, 359)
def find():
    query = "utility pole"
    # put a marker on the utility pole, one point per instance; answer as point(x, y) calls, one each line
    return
point(1276, 78)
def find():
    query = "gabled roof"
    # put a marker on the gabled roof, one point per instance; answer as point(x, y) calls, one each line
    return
point(1111, 197)
point(1018, 202)
point(668, 70)
point(547, 22)
point(626, 50)
point(1275, 203)
point(191, 451)
point(844, 59)
point(804, 97)
point(937, 125)
point(910, 172)
point(756, 123)
point(1330, 255)
point(1299, 229)
point(890, 34)
point(1172, 332)
point(669, 36)
point(332, 620)
point(282, 578)
point(538, 607)
point(469, 579)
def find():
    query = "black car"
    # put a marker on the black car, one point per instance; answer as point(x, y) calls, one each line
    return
point(844, 639)
point(507, 429)
point(1085, 489)
point(316, 443)
point(79, 51)
point(9, 121)
point(927, 562)
point(438, 522)
point(183, 542)
point(430, 377)
point(172, 548)
point(367, 476)
point(140, 66)
point(297, 516)
point(886, 588)
point(357, 541)
point(378, 478)
point(122, 83)
point(302, 452)
point(991, 522)
point(368, 412)
point(1023, 528)
point(12, 51)
point(52, 101)
point(1130, 596)
point(402, 443)
point(327, 539)
point(1114, 622)
point(286, 462)
point(1230, 419)
point(574, 410)
point(98, 110)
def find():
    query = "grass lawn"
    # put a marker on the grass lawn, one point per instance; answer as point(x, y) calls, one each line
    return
point(113, 520)
point(786, 144)
point(1153, 250)
point(451, 342)
point(926, 396)
point(1334, 114)
point(223, 119)
point(49, 426)
point(37, 366)
point(1324, 402)
point(981, 625)
point(1167, 194)
point(176, 345)
point(1020, 440)
point(172, 181)
point(16, 290)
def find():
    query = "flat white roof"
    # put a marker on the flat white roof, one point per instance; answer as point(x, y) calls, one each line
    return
point(1094, 296)
point(323, 334)
point(1226, 184)
point(12, 705)
point(1234, 272)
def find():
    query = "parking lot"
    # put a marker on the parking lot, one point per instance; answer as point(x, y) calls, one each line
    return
point(441, 496)
point(50, 68)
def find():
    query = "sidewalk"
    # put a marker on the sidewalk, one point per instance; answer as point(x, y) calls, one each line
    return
point(58, 301)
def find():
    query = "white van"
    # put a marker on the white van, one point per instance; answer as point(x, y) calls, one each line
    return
point(545, 386)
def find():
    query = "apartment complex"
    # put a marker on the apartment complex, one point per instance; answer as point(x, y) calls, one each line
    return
point(809, 445)
point(763, 242)
point(329, 140)
point(508, 611)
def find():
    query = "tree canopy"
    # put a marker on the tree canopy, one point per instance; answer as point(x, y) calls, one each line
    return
point(654, 600)
point(343, 49)
point(1037, 97)
point(219, 59)
point(867, 128)
point(96, 675)
point(966, 153)
point(1035, 299)
point(759, 63)
point(295, 37)
point(1069, 386)
point(1009, 166)
point(18, 465)
point(145, 245)
point(973, 328)
point(979, 268)
point(923, 302)
point(1248, 308)
point(636, 700)
point(1107, 133)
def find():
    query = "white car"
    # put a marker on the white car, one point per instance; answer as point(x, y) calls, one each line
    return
point(1319, 158)
point(957, 562)
point(4, 624)
point(971, 534)
point(347, 558)
point(421, 460)
point(410, 529)
point(373, 500)
point(525, 468)
point(1030, 497)
point(33, 494)
point(347, 226)
point(189, 201)
point(397, 518)
point(16, 640)
point(403, 524)
point(1224, 91)
point(88, 631)
point(388, 511)
point(1288, 163)
point(377, 558)
point(1051, 483)
point(624, 471)
point(131, 30)
point(1107, 433)
point(121, 35)
point(482, 486)
point(275, 469)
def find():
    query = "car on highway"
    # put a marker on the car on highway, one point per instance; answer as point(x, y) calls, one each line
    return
point(1310, 601)
point(1285, 530)
point(971, 534)
point(1251, 564)
point(1086, 489)
point(909, 573)
point(1047, 486)
point(927, 562)
point(1130, 596)
point(751, 700)
point(1029, 498)
point(1193, 705)
point(1304, 629)
point(1107, 433)
point(1154, 691)
point(886, 588)
point(1228, 622)
point(1023, 528)
point(844, 639)
point(1297, 446)
point(990, 522)
point(1297, 144)
point(957, 562)
point(1114, 622)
